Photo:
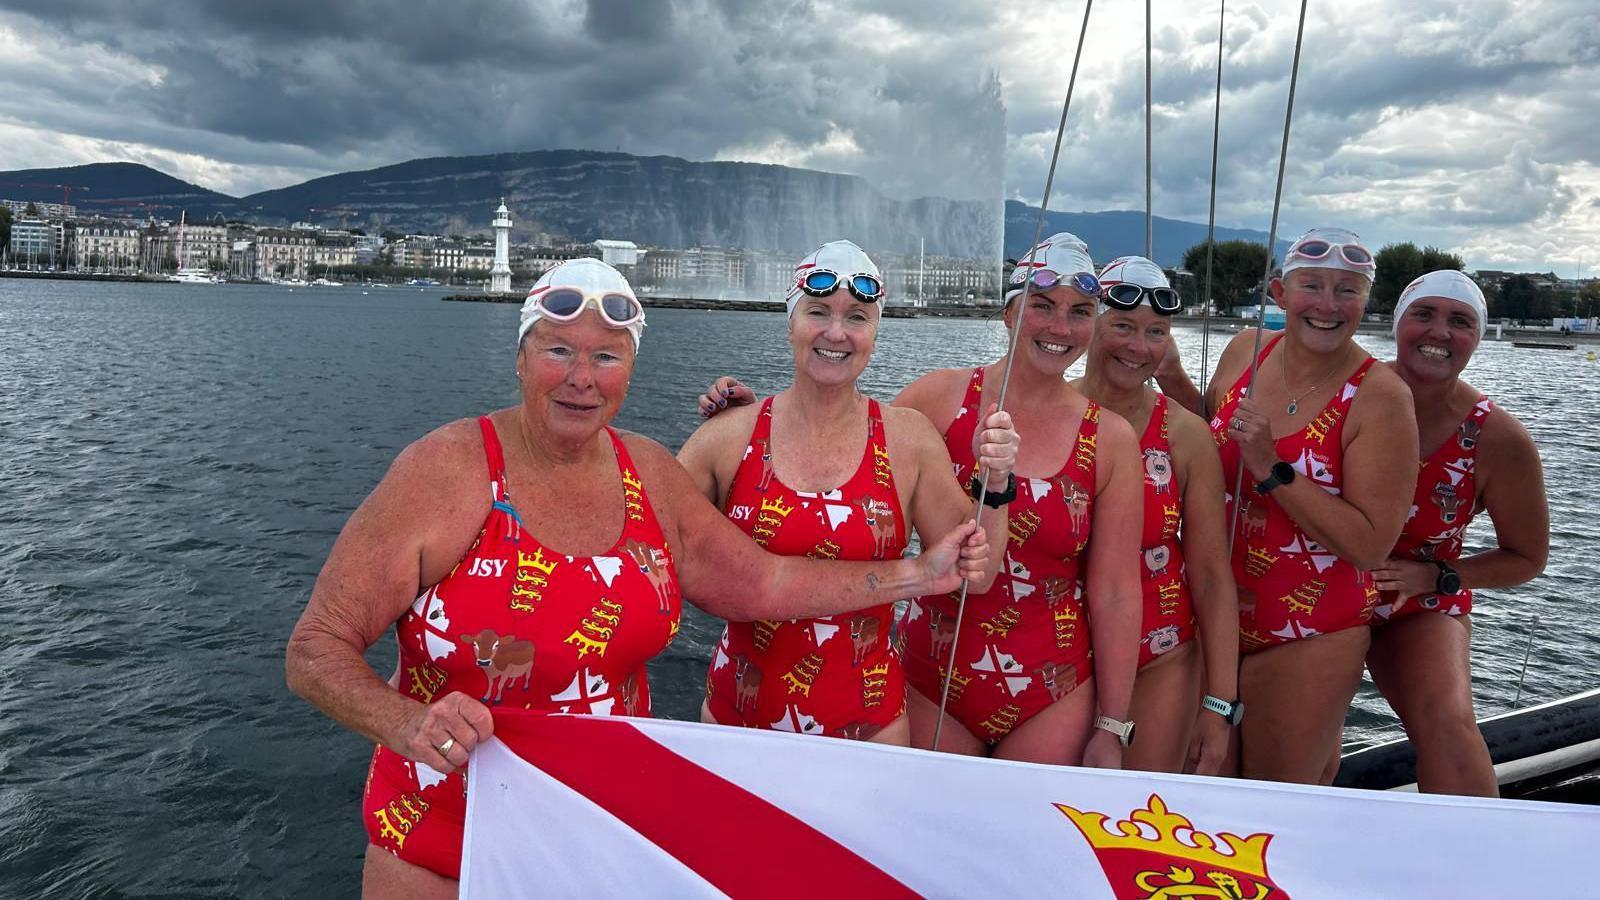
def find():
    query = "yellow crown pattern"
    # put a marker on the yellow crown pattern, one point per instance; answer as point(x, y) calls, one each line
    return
point(1248, 855)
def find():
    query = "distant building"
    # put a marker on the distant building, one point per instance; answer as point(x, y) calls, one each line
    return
point(199, 246)
point(500, 267)
point(531, 262)
point(33, 243)
point(618, 253)
point(100, 245)
point(242, 260)
point(42, 210)
point(334, 249)
point(284, 253)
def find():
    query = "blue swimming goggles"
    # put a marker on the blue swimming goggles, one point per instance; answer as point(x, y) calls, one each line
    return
point(822, 282)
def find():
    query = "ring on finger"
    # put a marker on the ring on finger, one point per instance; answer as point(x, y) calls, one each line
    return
point(445, 747)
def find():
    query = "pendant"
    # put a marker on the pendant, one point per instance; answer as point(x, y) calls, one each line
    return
point(1292, 407)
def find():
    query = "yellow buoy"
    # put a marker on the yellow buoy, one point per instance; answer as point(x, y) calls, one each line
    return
point(1591, 356)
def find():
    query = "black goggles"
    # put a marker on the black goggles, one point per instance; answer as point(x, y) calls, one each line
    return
point(822, 282)
point(1127, 295)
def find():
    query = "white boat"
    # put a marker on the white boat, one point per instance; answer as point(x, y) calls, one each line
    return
point(192, 276)
point(323, 282)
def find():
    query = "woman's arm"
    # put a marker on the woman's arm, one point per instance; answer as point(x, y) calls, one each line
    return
point(938, 502)
point(408, 532)
point(728, 575)
point(1511, 480)
point(1175, 382)
point(1360, 523)
point(1115, 598)
point(1211, 585)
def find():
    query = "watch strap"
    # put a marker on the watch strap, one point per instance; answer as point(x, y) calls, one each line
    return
point(993, 499)
point(1233, 712)
point(1123, 730)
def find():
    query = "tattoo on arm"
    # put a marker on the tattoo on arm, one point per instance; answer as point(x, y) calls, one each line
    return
point(872, 581)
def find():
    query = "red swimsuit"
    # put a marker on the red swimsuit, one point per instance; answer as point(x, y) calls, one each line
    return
point(1168, 608)
point(1291, 587)
point(1024, 643)
point(835, 675)
point(517, 626)
point(1446, 499)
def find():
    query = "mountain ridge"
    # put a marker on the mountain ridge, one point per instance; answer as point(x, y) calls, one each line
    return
point(657, 200)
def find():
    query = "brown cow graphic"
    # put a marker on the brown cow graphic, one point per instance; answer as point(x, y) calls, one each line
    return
point(864, 635)
point(1058, 678)
point(943, 629)
point(746, 683)
point(1255, 518)
point(1077, 503)
point(880, 519)
point(1449, 503)
point(655, 571)
point(1467, 433)
point(502, 658)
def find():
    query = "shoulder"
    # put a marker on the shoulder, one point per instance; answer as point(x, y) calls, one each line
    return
point(910, 425)
point(725, 428)
point(450, 452)
point(1235, 358)
point(1114, 434)
point(1505, 438)
point(1188, 433)
point(648, 456)
point(936, 393)
point(1383, 387)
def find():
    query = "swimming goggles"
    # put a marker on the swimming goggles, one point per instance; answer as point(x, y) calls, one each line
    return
point(1127, 295)
point(1318, 249)
point(1045, 279)
point(822, 282)
point(563, 304)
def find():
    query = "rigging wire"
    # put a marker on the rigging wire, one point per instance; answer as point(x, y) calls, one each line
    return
point(1011, 352)
point(1211, 213)
point(1149, 204)
point(1272, 241)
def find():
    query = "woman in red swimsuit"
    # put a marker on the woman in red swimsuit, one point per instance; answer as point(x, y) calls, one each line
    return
point(1479, 457)
point(1024, 685)
point(1183, 557)
point(820, 470)
point(534, 558)
point(1326, 438)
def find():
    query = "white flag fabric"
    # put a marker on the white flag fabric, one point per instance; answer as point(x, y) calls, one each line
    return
point(570, 806)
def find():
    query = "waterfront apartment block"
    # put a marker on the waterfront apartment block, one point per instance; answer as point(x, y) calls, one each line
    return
point(105, 245)
point(36, 243)
point(41, 210)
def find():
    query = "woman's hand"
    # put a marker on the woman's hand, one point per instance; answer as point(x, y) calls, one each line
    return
point(724, 392)
point(1208, 748)
point(1251, 430)
point(997, 448)
point(1171, 364)
point(1406, 577)
point(1104, 751)
point(962, 554)
point(441, 734)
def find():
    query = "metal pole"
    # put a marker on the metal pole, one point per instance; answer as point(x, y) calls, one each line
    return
point(1211, 213)
point(1005, 380)
point(1149, 203)
point(1526, 650)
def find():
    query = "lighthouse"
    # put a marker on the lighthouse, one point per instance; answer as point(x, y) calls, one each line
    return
point(500, 273)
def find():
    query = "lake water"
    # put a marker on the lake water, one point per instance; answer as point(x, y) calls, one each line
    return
point(175, 461)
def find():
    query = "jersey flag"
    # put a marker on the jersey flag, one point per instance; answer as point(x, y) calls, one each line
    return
point(567, 805)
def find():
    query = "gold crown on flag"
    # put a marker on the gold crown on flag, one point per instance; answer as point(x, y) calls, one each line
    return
point(1247, 855)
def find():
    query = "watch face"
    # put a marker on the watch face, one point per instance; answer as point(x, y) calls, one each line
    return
point(1283, 472)
point(1127, 736)
point(1449, 583)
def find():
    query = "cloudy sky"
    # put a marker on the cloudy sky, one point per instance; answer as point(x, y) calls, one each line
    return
point(1468, 124)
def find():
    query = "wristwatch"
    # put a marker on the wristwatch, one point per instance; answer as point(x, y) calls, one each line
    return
point(1123, 730)
point(1449, 580)
point(1282, 473)
point(993, 499)
point(1233, 712)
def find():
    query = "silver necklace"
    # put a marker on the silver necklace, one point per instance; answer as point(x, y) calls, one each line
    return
point(1283, 367)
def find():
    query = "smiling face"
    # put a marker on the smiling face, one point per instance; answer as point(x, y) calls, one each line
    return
point(1434, 340)
point(832, 337)
point(1055, 328)
point(1129, 344)
point(1322, 307)
point(574, 375)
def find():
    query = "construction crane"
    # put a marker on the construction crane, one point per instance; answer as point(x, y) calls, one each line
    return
point(66, 189)
point(343, 212)
point(120, 201)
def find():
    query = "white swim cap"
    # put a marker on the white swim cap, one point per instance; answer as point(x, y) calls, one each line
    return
point(589, 276)
point(1330, 248)
point(1063, 253)
point(1448, 284)
point(842, 258)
